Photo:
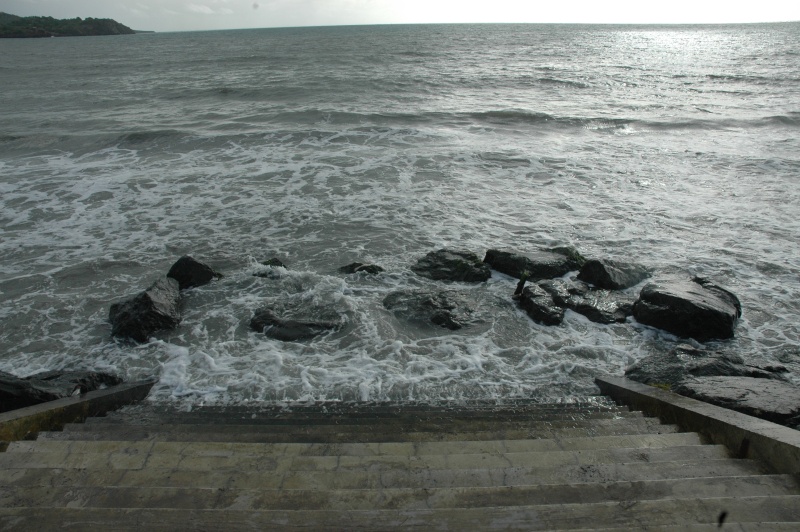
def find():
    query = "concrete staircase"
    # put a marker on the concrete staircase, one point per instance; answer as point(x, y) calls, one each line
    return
point(589, 465)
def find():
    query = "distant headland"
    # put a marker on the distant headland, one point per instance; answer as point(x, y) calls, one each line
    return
point(12, 26)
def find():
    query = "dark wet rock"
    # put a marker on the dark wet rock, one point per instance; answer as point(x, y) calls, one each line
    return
point(564, 292)
point(289, 330)
point(673, 367)
point(190, 273)
point(694, 308)
point(452, 265)
point(571, 253)
point(361, 267)
point(539, 305)
point(612, 275)
point(274, 263)
point(534, 266)
point(155, 309)
point(444, 308)
point(16, 392)
point(600, 306)
point(772, 400)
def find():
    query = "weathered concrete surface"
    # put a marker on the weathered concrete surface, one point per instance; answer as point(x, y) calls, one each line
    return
point(354, 433)
point(407, 498)
point(746, 436)
point(678, 512)
point(533, 467)
point(25, 422)
point(378, 480)
point(393, 449)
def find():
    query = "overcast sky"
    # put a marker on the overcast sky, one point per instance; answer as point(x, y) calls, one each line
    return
point(180, 15)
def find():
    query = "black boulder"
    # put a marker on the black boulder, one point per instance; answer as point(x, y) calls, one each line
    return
point(534, 266)
point(539, 306)
point(694, 308)
point(152, 310)
point(289, 330)
point(190, 273)
point(612, 275)
point(452, 265)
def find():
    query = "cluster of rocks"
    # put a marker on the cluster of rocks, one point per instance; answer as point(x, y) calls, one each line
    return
point(16, 392)
point(158, 307)
point(689, 308)
point(693, 308)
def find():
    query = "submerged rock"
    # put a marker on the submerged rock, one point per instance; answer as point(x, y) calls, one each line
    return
point(16, 392)
point(534, 266)
point(270, 272)
point(152, 310)
point(444, 308)
point(685, 361)
point(190, 273)
point(600, 306)
point(452, 265)
point(289, 330)
point(539, 305)
point(274, 263)
point(612, 275)
point(357, 267)
point(694, 308)
point(774, 401)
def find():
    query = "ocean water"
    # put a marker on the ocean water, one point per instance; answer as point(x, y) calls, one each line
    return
point(675, 147)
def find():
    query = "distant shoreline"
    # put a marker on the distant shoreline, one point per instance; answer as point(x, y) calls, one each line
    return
point(15, 27)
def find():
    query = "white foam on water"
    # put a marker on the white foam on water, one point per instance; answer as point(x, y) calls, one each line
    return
point(95, 211)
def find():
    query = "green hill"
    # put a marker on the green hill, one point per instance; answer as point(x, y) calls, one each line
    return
point(14, 26)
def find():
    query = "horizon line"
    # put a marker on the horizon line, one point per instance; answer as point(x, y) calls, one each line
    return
point(481, 23)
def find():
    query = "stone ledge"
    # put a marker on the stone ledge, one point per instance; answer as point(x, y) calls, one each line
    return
point(24, 423)
point(745, 436)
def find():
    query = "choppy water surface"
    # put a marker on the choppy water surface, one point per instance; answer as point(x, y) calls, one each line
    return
point(676, 147)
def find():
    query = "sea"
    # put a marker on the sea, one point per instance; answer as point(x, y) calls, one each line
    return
point(674, 147)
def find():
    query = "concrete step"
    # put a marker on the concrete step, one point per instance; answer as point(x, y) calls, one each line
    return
point(335, 434)
point(464, 408)
point(138, 456)
point(443, 424)
point(386, 431)
point(670, 512)
point(707, 527)
point(322, 419)
point(377, 479)
point(407, 499)
point(392, 449)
